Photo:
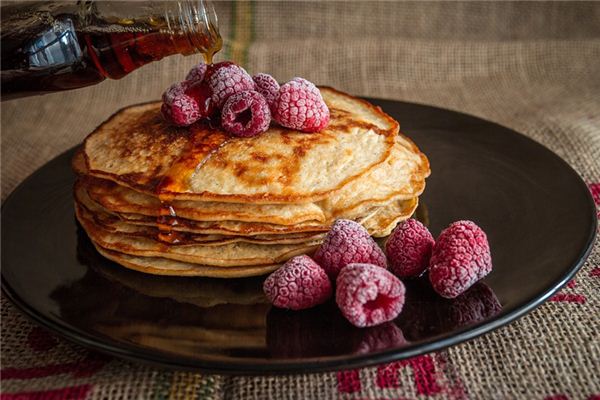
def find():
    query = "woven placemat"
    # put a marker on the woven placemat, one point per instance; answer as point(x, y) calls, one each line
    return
point(534, 67)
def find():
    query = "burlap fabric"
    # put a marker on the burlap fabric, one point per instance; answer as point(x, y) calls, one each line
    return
point(534, 67)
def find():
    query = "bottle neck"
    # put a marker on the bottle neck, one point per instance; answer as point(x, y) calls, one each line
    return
point(119, 41)
point(196, 23)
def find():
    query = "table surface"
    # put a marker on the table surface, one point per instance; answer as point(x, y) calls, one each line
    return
point(530, 66)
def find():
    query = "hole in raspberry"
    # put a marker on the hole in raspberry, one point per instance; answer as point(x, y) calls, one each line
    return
point(381, 301)
point(244, 117)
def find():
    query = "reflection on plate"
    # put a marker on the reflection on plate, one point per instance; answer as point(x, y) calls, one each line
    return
point(232, 317)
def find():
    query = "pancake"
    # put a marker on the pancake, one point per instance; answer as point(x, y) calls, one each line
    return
point(163, 266)
point(384, 221)
point(212, 233)
point(227, 255)
point(113, 223)
point(121, 199)
point(138, 149)
point(402, 176)
point(235, 227)
point(78, 163)
point(239, 228)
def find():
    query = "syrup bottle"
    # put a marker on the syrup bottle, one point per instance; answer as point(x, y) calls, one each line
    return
point(57, 45)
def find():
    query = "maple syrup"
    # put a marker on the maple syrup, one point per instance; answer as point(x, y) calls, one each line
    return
point(47, 49)
point(165, 222)
point(203, 143)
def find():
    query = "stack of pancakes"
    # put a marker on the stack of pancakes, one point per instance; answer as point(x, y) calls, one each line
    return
point(197, 201)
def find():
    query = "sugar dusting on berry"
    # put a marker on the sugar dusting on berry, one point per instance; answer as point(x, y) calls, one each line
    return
point(227, 79)
point(409, 248)
point(267, 86)
point(182, 111)
point(197, 73)
point(300, 106)
point(246, 114)
point(348, 242)
point(369, 295)
point(300, 283)
point(173, 91)
point(461, 256)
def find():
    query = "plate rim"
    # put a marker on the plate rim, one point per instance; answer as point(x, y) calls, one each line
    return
point(309, 365)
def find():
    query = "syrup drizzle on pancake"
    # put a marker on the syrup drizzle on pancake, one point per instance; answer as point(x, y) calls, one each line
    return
point(203, 143)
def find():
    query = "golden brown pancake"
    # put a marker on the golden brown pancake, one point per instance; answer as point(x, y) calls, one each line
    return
point(227, 255)
point(137, 148)
point(400, 177)
point(114, 223)
point(163, 266)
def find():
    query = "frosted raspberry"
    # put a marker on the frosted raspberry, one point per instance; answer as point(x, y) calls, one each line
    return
point(175, 90)
point(409, 248)
point(300, 283)
point(348, 242)
point(182, 111)
point(382, 337)
point(461, 256)
point(267, 86)
point(368, 295)
point(197, 72)
point(212, 68)
point(246, 114)
point(300, 106)
point(226, 79)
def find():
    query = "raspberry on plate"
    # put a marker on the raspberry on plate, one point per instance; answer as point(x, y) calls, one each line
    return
point(348, 242)
point(246, 114)
point(225, 79)
point(461, 256)
point(267, 86)
point(409, 248)
point(300, 283)
point(369, 295)
point(182, 110)
point(197, 72)
point(300, 106)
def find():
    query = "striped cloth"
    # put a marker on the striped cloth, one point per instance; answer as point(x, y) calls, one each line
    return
point(534, 67)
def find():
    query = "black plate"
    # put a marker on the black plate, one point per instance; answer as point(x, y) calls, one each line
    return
point(537, 212)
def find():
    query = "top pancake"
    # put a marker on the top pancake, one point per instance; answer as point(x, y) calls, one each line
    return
point(401, 176)
point(137, 148)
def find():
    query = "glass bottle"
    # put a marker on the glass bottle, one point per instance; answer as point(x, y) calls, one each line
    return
point(56, 45)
